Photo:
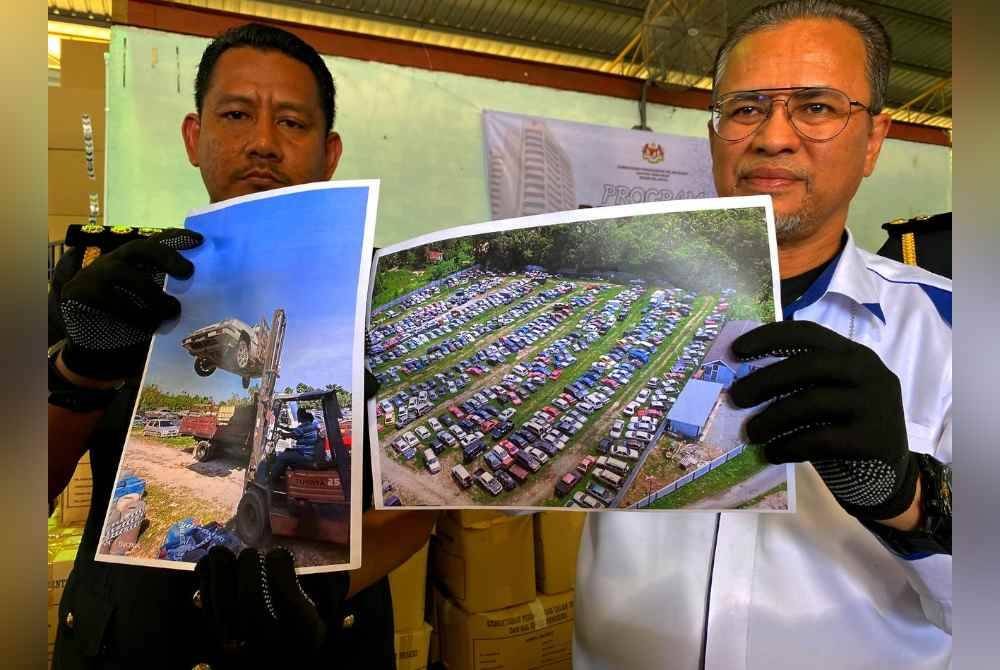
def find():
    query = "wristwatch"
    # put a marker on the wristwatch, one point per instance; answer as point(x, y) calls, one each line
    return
point(933, 536)
point(65, 394)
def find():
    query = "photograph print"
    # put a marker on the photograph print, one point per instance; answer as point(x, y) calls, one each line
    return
point(243, 429)
point(575, 360)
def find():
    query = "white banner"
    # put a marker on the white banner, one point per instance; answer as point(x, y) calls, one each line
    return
point(537, 165)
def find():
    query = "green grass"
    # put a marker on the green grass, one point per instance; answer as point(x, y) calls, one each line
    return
point(721, 479)
point(179, 442)
point(394, 283)
point(755, 501)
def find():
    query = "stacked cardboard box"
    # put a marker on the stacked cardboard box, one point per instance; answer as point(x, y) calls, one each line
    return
point(63, 543)
point(484, 560)
point(557, 540)
point(535, 634)
point(486, 610)
point(408, 584)
point(412, 647)
point(74, 503)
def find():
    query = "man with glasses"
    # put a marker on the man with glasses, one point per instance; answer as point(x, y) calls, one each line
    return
point(860, 575)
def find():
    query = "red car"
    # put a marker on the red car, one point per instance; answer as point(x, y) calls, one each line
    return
point(514, 398)
point(488, 425)
point(518, 473)
point(555, 374)
point(567, 482)
point(509, 446)
point(459, 414)
point(551, 411)
point(583, 467)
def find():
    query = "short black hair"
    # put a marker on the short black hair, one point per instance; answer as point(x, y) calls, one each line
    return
point(304, 415)
point(267, 38)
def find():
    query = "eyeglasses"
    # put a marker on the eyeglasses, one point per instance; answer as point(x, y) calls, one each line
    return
point(818, 114)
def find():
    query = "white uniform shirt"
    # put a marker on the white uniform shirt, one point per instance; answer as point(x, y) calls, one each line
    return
point(813, 589)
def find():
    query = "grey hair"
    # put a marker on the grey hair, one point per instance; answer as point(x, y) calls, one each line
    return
point(878, 46)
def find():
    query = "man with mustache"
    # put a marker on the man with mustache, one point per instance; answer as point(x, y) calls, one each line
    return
point(860, 575)
point(264, 119)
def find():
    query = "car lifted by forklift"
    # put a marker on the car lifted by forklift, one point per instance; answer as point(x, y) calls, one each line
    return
point(310, 500)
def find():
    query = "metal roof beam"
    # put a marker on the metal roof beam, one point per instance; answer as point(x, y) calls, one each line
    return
point(889, 10)
point(922, 69)
point(445, 28)
point(610, 7)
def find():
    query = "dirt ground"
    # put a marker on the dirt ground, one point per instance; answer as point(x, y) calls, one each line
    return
point(208, 491)
point(776, 500)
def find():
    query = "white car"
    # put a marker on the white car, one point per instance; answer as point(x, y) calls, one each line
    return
point(431, 461)
point(643, 396)
point(616, 428)
point(637, 435)
point(410, 439)
point(422, 433)
point(625, 452)
point(631, 408)
point(540, 455)
point(507, 413)
point(435, 424)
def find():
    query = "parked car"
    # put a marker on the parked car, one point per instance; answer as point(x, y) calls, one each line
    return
point(583, 467)
point(506, 480)
point(518, 473)
point(461, 476)
point(410, 439)
point(601, 492)
point(431, 461)
point(161, 428)
point(539, 455)
point(422, 433)
point(584, 500)
point(625, 452)
point(567, 482)
point(616, 428)
point(488, 482)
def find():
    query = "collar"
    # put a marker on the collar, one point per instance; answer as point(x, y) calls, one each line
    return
point(848, 276)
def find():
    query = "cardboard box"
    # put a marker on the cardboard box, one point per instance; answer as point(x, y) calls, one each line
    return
point(412, 647)
point(484, 564)
point(62, 546)
point(557, 540)
point(408, 584)
point(75, 504)
point(535, 635)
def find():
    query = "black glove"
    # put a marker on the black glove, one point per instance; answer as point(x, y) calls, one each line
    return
point(835, 404)
point(257, 609)
point(112, 307)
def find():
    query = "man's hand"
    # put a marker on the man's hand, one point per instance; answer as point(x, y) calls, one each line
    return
point(112, 307)
point(836, 405)
point(257, 608)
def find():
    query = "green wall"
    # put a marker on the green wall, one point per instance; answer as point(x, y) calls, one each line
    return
point(420, 132)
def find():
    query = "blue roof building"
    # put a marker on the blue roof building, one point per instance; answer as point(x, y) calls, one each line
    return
point(720, 365)
point(693, 406)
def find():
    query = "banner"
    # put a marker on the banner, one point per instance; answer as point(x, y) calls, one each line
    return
point(537, 165)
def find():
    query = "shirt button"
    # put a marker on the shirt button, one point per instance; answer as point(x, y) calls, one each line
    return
point(348, 621)
point(69, 620)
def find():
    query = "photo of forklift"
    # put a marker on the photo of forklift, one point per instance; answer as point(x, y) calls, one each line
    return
point(308, 500)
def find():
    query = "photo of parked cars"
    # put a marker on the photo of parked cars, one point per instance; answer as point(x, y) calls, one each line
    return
point(590, 378)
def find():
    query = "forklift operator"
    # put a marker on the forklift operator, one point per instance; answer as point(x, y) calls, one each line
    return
point(307, 439)
point(264, 119)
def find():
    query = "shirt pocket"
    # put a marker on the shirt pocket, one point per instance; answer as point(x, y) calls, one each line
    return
point(83, 618)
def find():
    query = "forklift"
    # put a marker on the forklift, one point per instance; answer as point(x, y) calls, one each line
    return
point(310, 501)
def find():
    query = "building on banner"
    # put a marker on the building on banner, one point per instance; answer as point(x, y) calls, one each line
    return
point(537, 165)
